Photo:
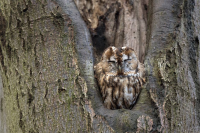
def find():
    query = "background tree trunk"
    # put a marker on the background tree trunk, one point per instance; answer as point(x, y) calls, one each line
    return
point(116, 23)
point(47, 82)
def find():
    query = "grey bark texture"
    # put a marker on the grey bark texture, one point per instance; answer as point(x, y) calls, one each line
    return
point(47, 58)
point(173, 65)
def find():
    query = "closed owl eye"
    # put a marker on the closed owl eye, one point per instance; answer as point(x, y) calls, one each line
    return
point(127, 59)
point(111, 61)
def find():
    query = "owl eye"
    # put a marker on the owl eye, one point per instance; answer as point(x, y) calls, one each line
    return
point(127, 59)
point(111, 61)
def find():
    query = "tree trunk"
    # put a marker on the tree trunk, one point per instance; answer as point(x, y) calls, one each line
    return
point(42, 83)
point(173, 64)
point(46, 60)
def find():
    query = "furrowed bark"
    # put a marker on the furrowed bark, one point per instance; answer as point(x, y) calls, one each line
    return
point(43, 77)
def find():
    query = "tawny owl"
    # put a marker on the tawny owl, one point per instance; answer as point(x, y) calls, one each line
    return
point(120, 76)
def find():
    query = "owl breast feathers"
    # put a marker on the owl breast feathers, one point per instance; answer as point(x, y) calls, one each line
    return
point(120, 76)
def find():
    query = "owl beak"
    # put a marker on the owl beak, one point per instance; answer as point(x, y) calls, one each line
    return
point(119, 69)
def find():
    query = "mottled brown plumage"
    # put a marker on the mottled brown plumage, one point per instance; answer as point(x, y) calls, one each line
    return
point(120, 76)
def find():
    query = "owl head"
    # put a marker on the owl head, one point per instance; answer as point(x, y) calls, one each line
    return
point(120, 61)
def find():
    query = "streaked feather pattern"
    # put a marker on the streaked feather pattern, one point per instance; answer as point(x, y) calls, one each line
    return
point(120, 76)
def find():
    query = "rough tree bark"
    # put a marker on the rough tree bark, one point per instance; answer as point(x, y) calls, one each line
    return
point(173, 63)
point(46, 61)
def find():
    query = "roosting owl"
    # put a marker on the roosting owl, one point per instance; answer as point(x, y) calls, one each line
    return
point(120, 76)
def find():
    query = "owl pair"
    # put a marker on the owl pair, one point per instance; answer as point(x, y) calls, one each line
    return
point(120, 76)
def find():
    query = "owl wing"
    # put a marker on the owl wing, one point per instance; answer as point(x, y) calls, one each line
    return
point(98, 70)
